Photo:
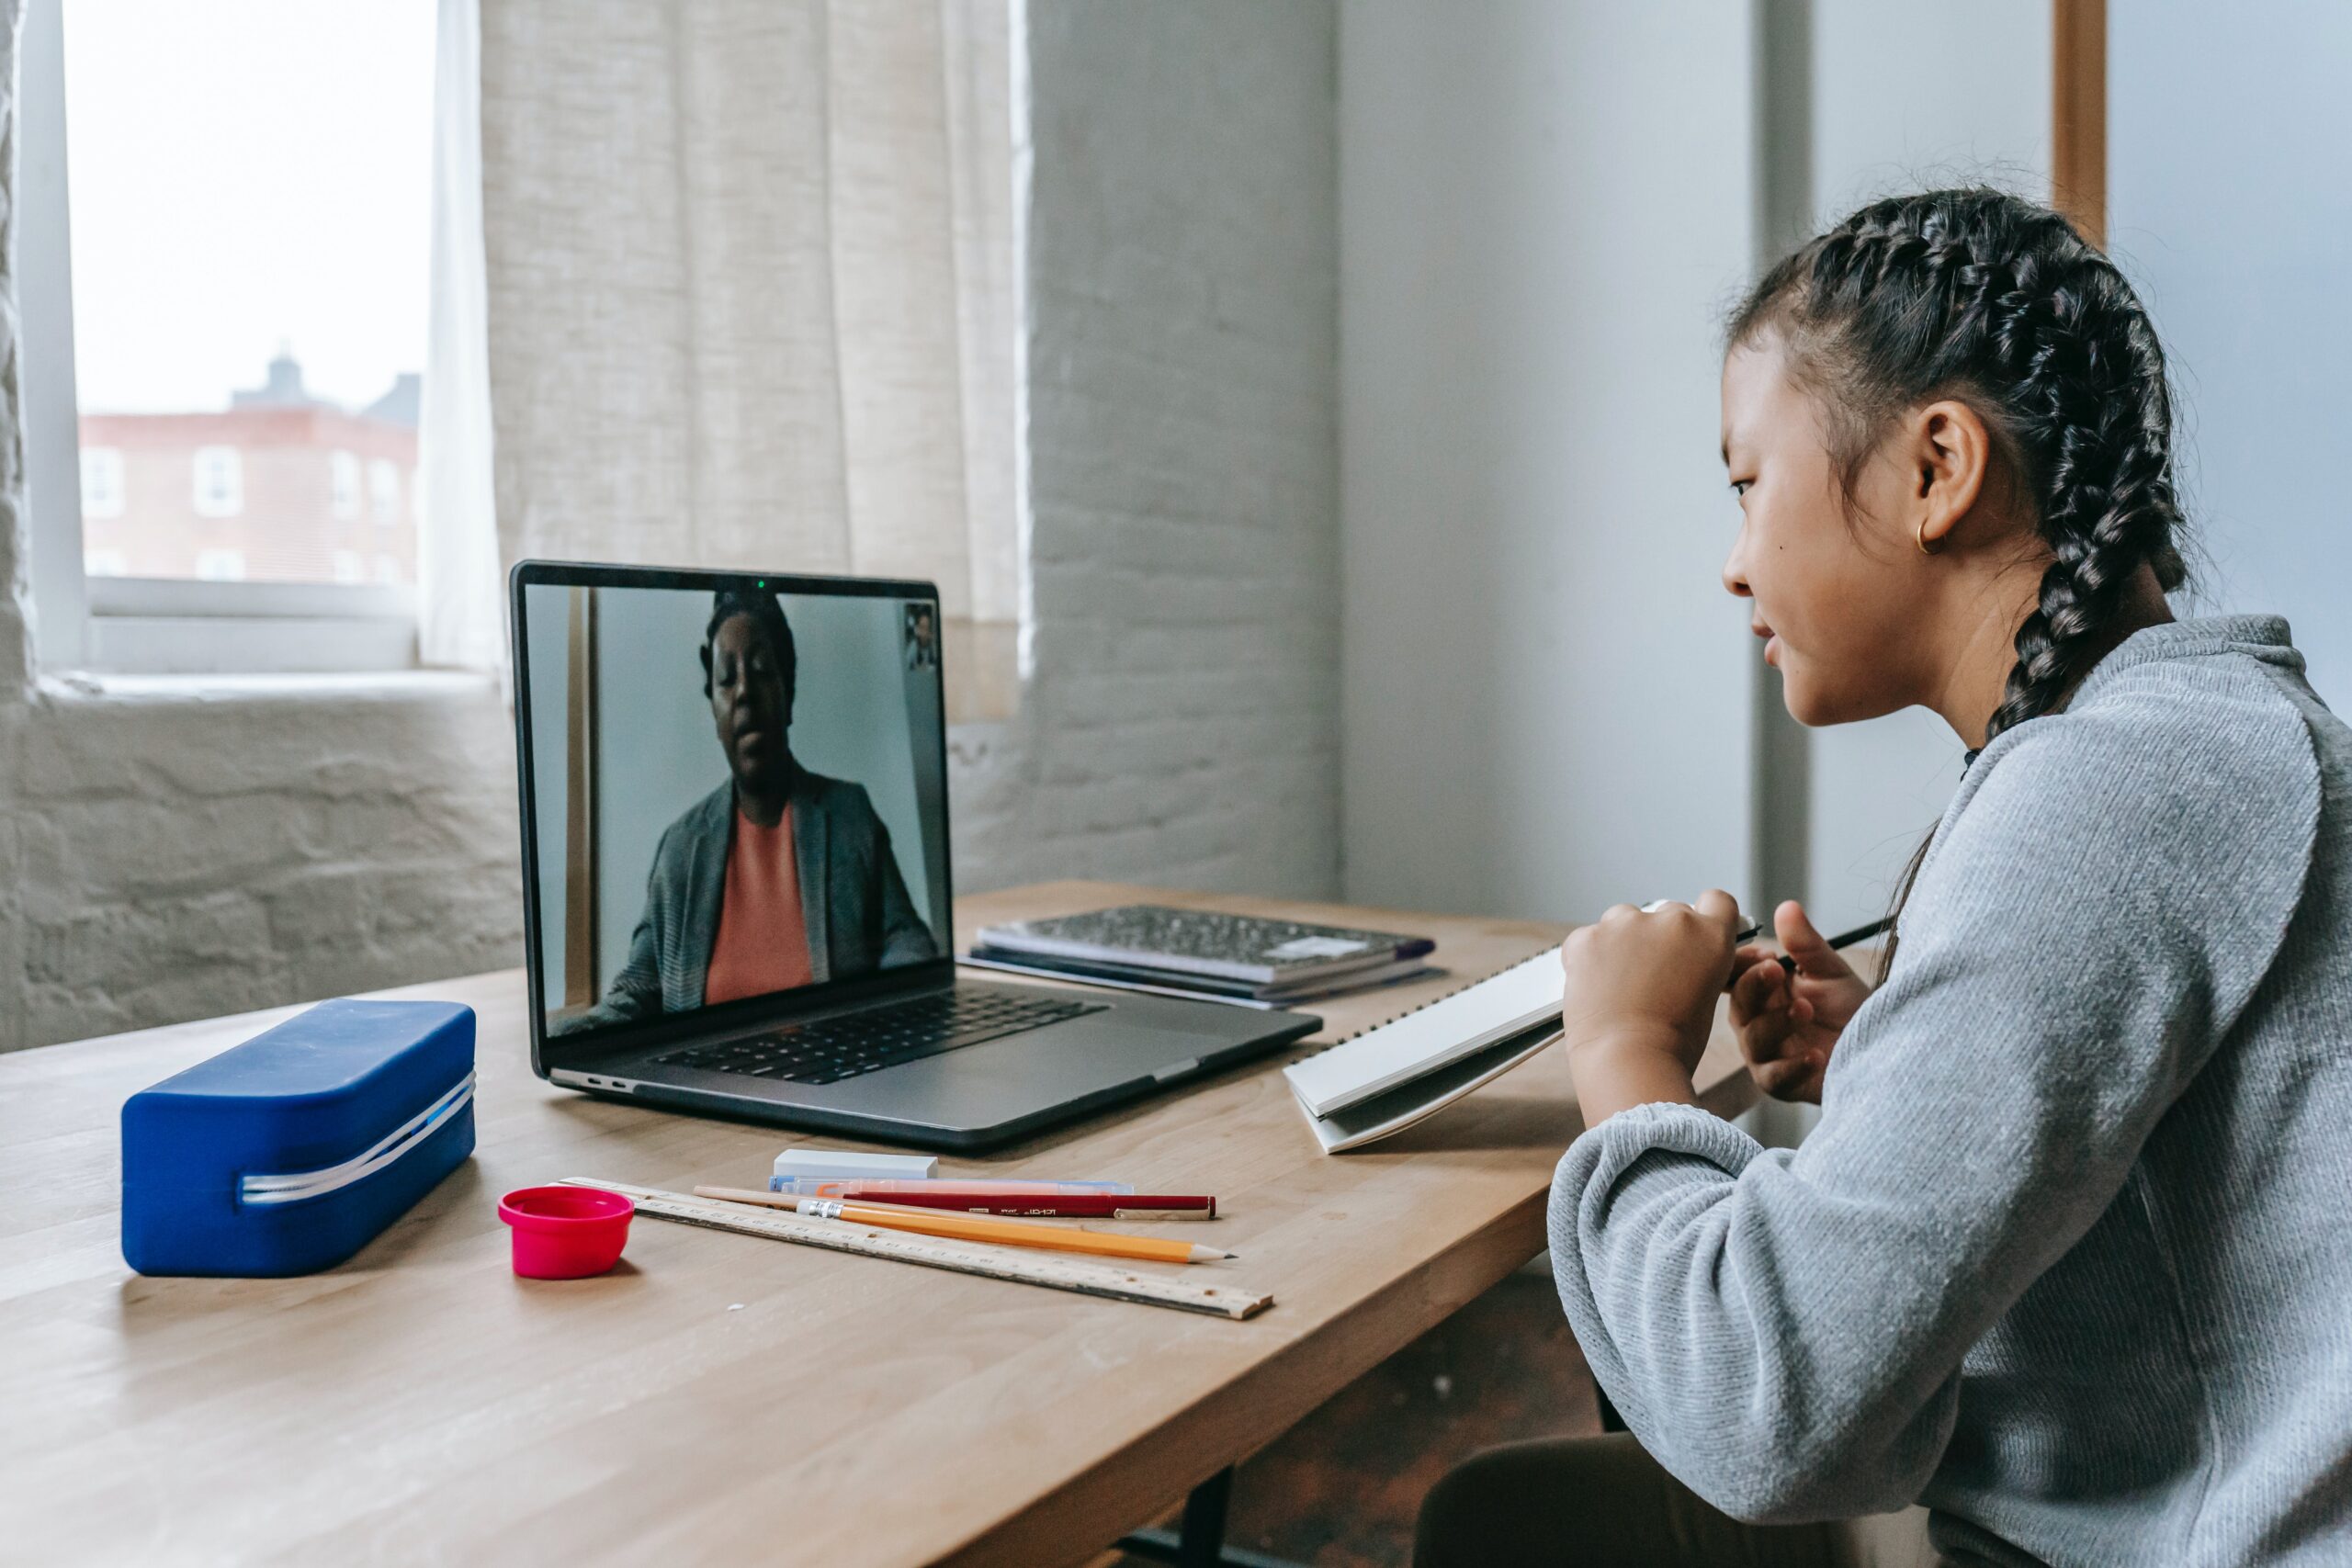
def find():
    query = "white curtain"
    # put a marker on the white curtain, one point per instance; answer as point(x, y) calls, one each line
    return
point(460, 619)
point(751, 298)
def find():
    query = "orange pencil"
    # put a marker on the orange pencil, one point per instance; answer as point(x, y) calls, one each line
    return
point(1011, 1233)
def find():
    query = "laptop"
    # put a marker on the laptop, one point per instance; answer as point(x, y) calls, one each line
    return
point(737, 888)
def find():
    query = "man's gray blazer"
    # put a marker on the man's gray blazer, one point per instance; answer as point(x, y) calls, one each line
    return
point(851, 896)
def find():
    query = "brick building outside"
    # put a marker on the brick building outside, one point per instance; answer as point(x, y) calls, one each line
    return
point(280, 486)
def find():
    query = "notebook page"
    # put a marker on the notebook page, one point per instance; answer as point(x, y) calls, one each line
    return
point(1447, 1030)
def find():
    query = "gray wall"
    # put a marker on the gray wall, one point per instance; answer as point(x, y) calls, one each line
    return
point(228, 845)
point(1543, 209)
point(1883, 124)
point(2231, 210)
point(1902, 99)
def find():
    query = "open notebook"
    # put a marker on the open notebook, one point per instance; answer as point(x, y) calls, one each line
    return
point(1388, 1077)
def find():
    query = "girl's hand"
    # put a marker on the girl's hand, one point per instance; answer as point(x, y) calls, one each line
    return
point(1644, 982)
point(1789, 1024)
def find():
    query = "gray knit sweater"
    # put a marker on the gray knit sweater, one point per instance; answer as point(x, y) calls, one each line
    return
point(2069, 1256)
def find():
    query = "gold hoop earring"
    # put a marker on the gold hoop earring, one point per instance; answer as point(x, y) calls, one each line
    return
point(1923, 539)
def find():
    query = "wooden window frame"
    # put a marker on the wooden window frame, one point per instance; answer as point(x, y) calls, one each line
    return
point(2078, 115)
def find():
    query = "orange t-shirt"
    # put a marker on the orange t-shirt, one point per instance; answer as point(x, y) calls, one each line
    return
point(763, 941)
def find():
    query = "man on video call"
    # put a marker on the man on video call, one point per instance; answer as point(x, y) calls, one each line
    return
point(779, 877)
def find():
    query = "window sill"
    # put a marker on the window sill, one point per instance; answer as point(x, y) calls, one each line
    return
point(200, 646)
point(77, 686)
point(176, 626)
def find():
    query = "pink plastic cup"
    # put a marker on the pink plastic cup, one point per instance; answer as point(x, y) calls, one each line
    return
point(566, 1233)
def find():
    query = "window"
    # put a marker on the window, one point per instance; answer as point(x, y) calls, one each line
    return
point(384, 484)
point(101, 481)
point(238, 304)
point(220, 481)
point(342, 486)
point(388, 569)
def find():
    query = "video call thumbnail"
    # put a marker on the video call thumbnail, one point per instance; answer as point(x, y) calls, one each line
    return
point(735, 793)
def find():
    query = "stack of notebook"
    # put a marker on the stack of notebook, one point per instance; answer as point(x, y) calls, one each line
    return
point(1199, 952)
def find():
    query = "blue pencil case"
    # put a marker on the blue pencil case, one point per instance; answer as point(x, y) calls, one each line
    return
point(287, 1154)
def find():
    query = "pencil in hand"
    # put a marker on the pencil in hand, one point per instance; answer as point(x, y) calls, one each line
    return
point(1843, 939)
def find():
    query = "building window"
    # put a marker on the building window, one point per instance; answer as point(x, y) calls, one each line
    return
point(387, 567)
point(348, 567)
point(220, 481)
point(101, 481)
point(384, 484)
point(343, 486)
point(220, 566)
point(104, 563)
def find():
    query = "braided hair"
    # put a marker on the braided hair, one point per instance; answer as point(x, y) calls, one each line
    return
point(1983, 297)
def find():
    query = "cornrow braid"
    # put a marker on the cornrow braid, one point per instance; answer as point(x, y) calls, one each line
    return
point(2109, 506)
point(1980, 295)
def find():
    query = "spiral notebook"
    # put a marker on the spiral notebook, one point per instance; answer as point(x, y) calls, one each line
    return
point(1388, 1077)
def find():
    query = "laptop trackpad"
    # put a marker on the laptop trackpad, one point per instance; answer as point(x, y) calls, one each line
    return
point(981, 1085)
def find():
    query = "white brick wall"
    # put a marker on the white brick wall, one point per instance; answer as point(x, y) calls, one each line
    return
point(187, 855)
point(167, 858)
point(1184, 724)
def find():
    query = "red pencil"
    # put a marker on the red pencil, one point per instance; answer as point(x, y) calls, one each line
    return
point(1044, 1205)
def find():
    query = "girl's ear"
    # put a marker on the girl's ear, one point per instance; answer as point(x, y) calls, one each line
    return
point(1951, 453)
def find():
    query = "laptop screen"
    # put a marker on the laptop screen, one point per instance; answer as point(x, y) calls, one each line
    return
point(735, 787)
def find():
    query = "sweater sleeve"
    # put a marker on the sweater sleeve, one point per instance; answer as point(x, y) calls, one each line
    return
point(1785, 1331)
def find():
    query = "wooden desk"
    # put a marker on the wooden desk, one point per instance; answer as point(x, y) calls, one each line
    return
point(721, 1399)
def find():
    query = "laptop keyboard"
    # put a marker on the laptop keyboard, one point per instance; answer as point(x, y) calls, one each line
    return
point(829, 1050)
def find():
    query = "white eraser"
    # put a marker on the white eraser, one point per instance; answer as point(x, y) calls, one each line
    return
point(841, 1164)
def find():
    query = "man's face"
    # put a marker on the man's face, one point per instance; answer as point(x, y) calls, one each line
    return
point(748, 703)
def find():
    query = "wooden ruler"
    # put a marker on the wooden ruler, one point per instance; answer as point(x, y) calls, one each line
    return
point(1055, 1271)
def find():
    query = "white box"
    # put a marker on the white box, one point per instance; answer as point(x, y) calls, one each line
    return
point(842, 1164)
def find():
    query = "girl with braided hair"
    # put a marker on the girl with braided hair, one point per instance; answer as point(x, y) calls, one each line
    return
point(2066, 1258)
